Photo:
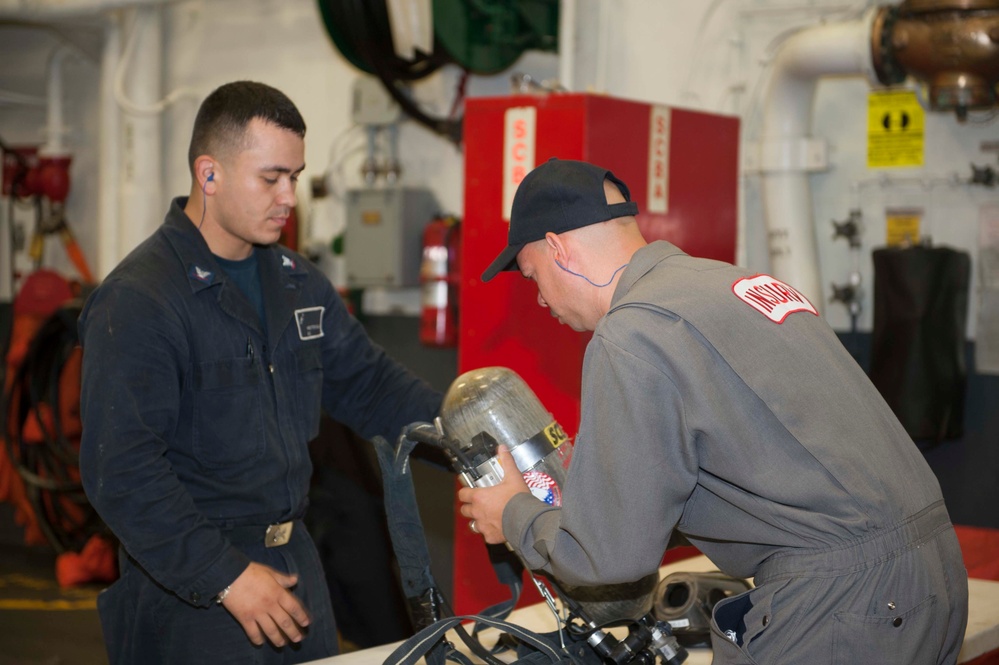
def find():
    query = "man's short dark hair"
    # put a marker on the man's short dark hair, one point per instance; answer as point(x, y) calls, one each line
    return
point(224, 115)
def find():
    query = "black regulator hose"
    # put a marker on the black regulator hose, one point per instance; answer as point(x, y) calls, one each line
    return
point(50, 468)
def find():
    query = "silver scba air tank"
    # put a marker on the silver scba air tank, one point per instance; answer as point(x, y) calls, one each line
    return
point(493, 405)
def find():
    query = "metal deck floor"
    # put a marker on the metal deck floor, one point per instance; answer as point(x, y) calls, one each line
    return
point(41, 624)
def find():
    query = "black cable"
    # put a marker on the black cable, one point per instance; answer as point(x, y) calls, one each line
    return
point(359, 26)
point(49, 468)
point(36, 381)
point(366, 21)
point(369, 19)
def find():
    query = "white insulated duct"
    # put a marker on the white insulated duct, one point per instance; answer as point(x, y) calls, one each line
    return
point(788, 152)
point(109, 157)
point(141, 170)
point(55, 129)
point(567, 44)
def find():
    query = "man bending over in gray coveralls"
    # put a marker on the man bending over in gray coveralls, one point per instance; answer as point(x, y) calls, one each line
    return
point(718, 404)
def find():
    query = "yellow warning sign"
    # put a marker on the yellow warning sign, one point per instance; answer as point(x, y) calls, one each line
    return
point(895, 122)
point(902, 227)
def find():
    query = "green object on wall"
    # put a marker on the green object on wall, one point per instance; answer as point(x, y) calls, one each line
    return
point(328, 9)
point(481, 36)
point(488, 36)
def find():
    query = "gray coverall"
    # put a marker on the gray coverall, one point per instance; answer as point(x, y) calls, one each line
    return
point(718, 404)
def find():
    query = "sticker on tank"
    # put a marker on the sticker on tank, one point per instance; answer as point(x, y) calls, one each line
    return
point(544, 487)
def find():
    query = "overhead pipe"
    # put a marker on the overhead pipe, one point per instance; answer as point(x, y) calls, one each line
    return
point(53, 157)
point(10, 97)
point(787, 150)
point(567, 44)
point(950, 45)
point(109, 156)
point(141, 175)
point(49, 10)
point(55, 129)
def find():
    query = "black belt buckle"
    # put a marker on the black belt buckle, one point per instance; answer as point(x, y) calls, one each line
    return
point(278, 534)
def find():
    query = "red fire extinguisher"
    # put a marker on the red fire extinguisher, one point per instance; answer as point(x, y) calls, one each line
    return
point(439, 283)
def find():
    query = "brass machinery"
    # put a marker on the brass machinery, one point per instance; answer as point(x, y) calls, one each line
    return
point(951, 45)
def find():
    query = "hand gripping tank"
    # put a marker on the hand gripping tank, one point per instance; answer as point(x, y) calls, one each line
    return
point(493, 405)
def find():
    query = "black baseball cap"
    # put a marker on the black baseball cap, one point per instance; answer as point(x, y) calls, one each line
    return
point(558, 196)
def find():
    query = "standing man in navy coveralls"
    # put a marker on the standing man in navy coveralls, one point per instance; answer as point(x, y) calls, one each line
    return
point(208, 355)
point(718, 404)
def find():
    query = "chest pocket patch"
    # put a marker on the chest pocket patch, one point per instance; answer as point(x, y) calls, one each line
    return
point(309, 322)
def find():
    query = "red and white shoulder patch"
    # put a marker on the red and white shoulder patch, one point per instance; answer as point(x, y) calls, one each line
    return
point(771, 297)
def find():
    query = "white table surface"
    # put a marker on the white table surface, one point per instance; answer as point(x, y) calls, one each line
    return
point(981, 636)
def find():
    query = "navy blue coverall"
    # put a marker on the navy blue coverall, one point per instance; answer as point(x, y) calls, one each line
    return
point(196, 423)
